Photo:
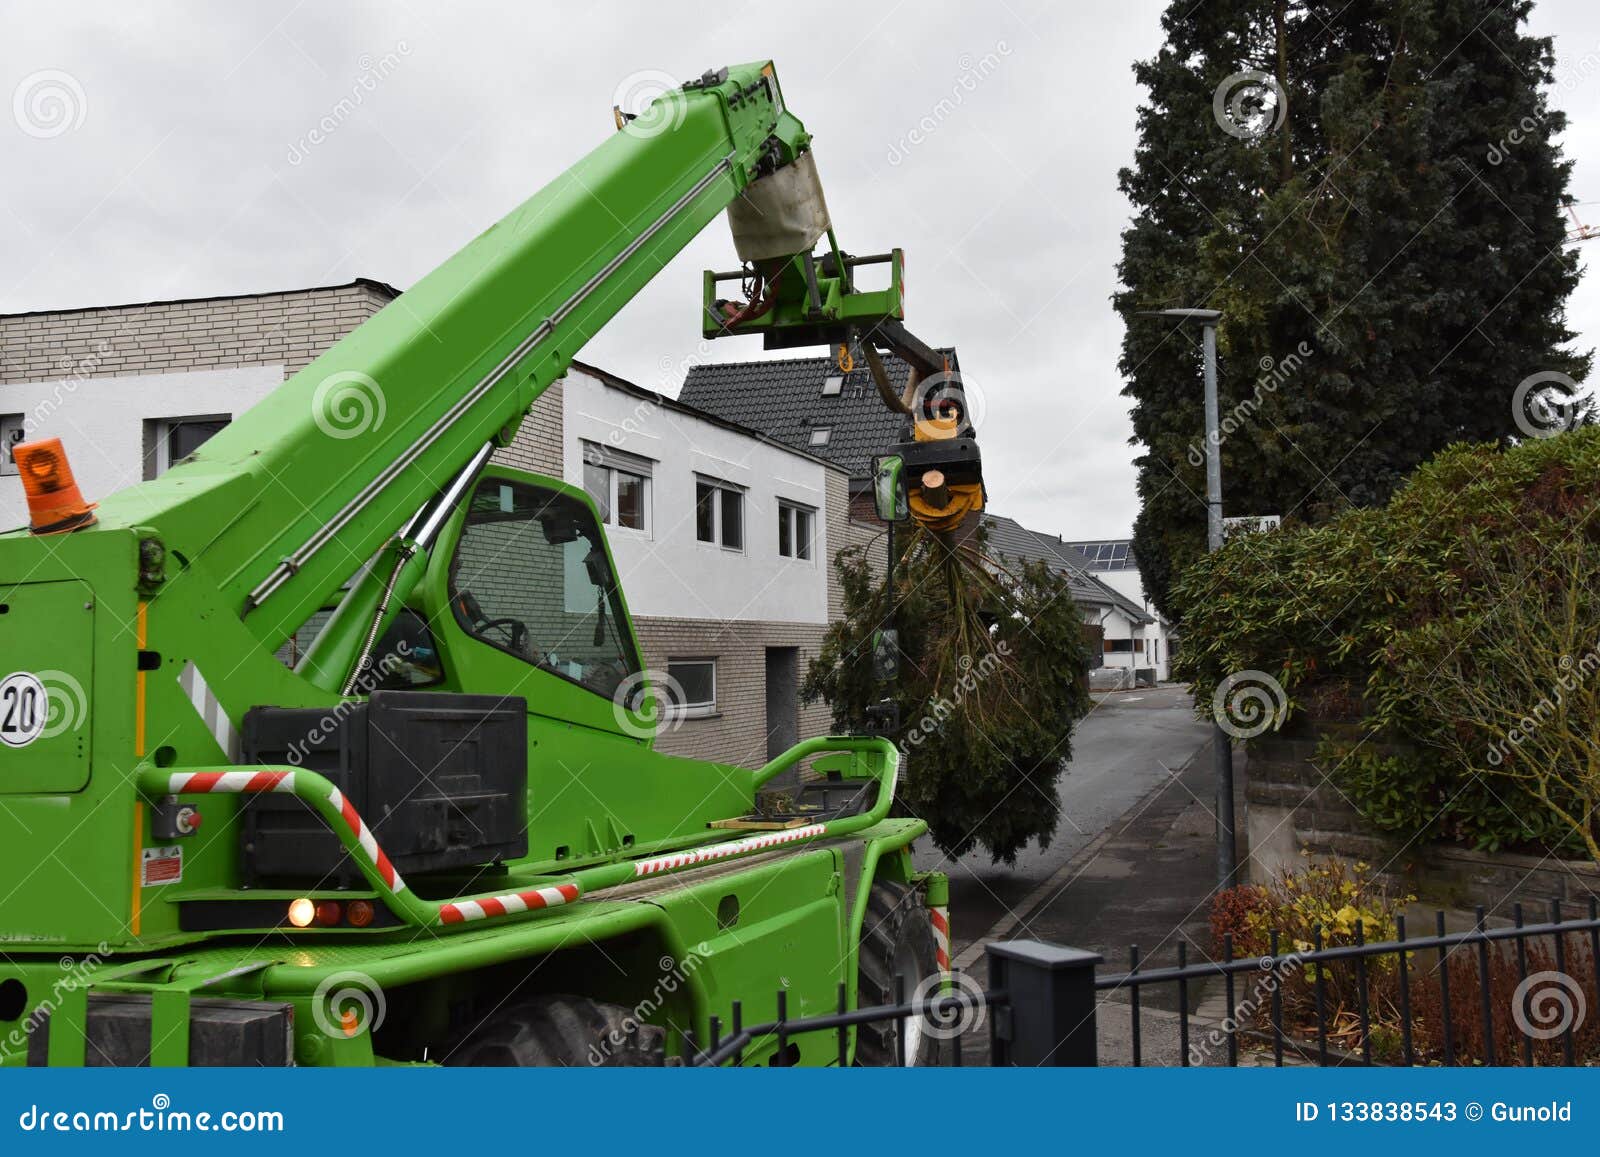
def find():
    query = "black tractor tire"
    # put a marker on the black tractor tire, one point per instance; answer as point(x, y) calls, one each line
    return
point(562, 1032)
point(896, 938)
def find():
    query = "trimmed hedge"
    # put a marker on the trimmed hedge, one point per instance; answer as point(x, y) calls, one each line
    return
point(1463, 618)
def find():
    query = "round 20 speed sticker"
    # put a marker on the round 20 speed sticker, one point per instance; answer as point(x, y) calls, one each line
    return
point(24, 708)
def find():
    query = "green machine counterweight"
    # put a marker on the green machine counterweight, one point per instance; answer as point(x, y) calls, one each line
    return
point(444, 830)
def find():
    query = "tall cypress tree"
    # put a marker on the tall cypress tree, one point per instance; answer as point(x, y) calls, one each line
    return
point(1376, 205)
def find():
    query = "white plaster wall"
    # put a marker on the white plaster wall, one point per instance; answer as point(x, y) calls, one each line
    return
point(666, 572)
point(1128, 583)
point(100, 421)
point(1124, 582)
point(1117, 625)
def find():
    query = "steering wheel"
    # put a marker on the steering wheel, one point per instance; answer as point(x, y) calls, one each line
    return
point(514, 631)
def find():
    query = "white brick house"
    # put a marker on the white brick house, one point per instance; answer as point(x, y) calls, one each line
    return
point(724, 538)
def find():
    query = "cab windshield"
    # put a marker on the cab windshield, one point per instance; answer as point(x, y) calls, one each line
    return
point(531, 577)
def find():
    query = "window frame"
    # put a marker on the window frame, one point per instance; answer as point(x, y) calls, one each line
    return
point(720, 489)
point(161, 431)
point(8, 424)
point(698, 710)
point(615, 464)
point(615, 604)
point(816, 442)
point(790, 515)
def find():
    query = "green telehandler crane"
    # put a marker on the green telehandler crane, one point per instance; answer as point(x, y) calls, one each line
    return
point(444, 835)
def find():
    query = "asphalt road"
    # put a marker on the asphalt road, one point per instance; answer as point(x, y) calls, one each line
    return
point(1132, 742)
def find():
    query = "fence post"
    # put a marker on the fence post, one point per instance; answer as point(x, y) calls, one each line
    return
point(1048, 1018)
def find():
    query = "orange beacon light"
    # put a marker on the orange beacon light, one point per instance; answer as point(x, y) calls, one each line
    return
point(54, 502)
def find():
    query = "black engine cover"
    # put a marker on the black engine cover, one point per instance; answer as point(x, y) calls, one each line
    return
point(441, 779)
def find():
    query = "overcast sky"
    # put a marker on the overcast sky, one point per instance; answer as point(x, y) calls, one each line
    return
point(179, 164)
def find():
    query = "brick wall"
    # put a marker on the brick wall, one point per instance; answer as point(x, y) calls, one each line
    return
point(538, 444)
point(288, 329)
point(847, 528)
point(737, 733)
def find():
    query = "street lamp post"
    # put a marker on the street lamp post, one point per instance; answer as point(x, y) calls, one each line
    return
point(1221, 743)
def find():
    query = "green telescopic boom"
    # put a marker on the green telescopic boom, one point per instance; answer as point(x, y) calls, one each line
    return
point(297, 493)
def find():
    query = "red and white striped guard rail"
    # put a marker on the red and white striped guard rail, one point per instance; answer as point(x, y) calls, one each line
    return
point(711, 852)
point(258, 782)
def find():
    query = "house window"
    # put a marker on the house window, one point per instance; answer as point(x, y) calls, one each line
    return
point(620, 486)
point(794, 530)
point(1138, 646)
point(831, 385)
point(11, 433)
point(692, 686)
point(820, 435)
point(171, 440)
point(1119, 646)
point(719, 513)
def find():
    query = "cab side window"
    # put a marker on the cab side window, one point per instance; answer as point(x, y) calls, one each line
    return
point(530, 577)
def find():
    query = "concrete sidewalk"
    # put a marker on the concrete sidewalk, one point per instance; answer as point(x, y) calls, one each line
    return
point(1147, 880)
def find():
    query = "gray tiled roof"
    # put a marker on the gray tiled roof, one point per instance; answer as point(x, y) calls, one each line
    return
point(782, 397)
point(1009, 539)
point(683, 407)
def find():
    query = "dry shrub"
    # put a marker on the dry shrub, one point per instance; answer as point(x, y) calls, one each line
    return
point(1542, 1005)
point(1333, 897)
point(1330, 904)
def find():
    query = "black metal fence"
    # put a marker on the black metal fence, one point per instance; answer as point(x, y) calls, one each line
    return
point(1464, 978)
point(1451, 998)
point(1043, 983)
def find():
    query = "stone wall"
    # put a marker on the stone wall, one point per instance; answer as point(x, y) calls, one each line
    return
point(1293, 809)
